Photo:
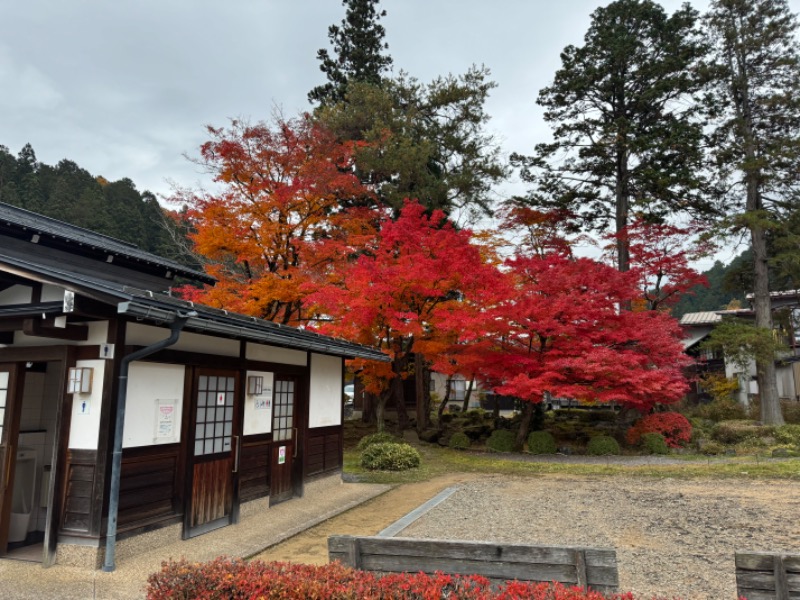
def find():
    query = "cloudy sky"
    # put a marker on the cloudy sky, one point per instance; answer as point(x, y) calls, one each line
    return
point(125, 88)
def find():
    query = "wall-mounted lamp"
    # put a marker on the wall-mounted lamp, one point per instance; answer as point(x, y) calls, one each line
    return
point(80, 380)
point(255, 385)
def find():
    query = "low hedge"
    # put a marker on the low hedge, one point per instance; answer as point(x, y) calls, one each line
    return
point(375, 438)
point(459, 441)
point(654, 443)
point(227, 579)
point(542, 442)
point(390, 456)
point(501, 440)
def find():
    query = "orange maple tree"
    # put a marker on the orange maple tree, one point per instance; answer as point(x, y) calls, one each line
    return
point(262, 232)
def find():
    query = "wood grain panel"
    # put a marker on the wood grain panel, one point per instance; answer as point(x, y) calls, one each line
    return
point(254, 470)
point(78, 498)
point(764, 575)
point(323, 450)
point(212, 493)
point(150, 485)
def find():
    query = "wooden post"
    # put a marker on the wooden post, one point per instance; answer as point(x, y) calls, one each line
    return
point(352, 552)
point(580, 568)
point(781, 583)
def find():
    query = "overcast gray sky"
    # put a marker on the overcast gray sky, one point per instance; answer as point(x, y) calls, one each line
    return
point(125, 88)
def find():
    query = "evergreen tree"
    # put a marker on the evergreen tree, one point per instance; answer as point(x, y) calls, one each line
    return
point(423, 141)
point(756, 139)
point(358, 47)
point(625, 134)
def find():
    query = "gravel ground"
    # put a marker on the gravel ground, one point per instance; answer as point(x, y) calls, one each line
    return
point(673, 538)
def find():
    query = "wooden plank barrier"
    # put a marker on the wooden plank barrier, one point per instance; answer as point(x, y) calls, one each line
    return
point(595, 568)
point(765, 576)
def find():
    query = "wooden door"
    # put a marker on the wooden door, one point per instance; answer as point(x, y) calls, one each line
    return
point(213, 451)
point(284, 439)
point(10, 388)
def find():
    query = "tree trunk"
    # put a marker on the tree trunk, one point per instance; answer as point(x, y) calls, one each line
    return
point(765, 366)
point(423, 397)
point(524, 426)
point(468, 395)
point(398, 394)
point(380, 409)
point(443, 405)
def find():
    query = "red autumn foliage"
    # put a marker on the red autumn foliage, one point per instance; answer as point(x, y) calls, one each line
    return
point(226, 579)
point(675, 428)
point(415, 289)
point(661, 255)
point(561, 329)
point(278, 196)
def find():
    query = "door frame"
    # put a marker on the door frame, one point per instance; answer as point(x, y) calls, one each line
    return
point(190, 419)
point(297, 467)
point(13, 409)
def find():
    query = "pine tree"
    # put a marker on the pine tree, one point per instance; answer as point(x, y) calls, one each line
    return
point(756, 140)
point(625, 134)
point(358, 46)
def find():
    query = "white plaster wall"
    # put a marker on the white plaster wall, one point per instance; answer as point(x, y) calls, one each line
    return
point(16, 294)
point(144, 335)
point(258, 420)
point(147, 384)
point(325, 392)
point(85, 428)
point(52, 293)
point(276, 355)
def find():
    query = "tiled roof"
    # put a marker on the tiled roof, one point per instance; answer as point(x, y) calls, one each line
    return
point(161, 308)
point(25, 220)
point(701, 318)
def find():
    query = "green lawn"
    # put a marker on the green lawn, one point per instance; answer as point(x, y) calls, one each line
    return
point(438, 461)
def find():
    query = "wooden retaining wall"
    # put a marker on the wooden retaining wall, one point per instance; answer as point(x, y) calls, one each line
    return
point(764, 576)
point(586, 567)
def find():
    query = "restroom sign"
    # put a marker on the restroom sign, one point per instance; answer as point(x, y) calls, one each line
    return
point(220, 398)
point(281, 455)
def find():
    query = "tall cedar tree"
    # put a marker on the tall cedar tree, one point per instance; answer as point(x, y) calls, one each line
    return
point(409, 293)
point(279, 197)
point(423, 141)
point(625, 136)
point(756, 140)
point(358, 46)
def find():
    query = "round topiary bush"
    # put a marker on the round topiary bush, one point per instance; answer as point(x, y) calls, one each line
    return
point(389, 456)
point(501, 440)
point(654, 443)
point(459, 441)
point(381, 437)
point(541, 442)
point(602, 445)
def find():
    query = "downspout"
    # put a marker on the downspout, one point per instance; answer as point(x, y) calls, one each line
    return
point(116, 461)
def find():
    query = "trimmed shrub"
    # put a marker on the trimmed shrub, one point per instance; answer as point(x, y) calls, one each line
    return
point(381, 437)
point(459, 441)
point(675, 428)
point(739, 432)
point(501, 440)
point(602, 445)
point(788, 434)
point(654, 443)
point(723, 409)
point(541, 442)
point(226, 579)
point(389, 456)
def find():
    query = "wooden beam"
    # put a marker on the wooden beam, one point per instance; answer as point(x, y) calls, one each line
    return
point(44, 328)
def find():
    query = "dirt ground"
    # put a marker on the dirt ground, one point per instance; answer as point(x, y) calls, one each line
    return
point(673, 537)
point(311, 546)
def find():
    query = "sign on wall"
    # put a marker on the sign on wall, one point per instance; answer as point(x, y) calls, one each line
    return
point(165, 420)
point(281, 455)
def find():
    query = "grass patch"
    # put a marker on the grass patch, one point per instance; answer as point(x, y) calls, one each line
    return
point(439, 461)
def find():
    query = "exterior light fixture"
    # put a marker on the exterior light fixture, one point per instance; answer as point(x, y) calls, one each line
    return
point(255, 385)
point(80, 380)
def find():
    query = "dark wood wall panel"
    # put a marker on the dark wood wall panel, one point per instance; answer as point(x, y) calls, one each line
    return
point(254, 469)
point(78, 497)
point(150, 485)
point(212, 495)
point(323, 450)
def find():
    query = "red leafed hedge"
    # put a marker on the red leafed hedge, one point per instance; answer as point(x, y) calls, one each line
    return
point(675, 428)
point(226, 579)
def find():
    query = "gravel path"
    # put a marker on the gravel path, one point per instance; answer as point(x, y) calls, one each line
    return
point(673, 538)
